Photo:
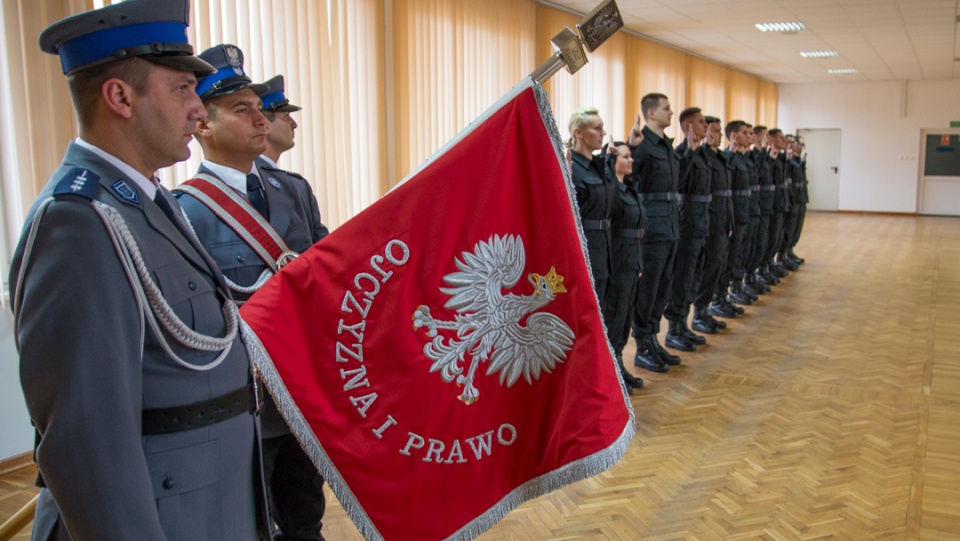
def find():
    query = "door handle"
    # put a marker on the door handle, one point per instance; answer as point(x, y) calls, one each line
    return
point(835, 169)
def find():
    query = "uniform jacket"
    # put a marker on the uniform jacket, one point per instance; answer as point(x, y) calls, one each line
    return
point(293, 214)
point(320, 230)
point(657, 170)
point(754, 177)
point(627, 223)
point(781, 196)
point(739, 185)
point(796, 173)
point(764, 162)
point(86, 378)
point(596, 198)
point(695, 179)
point(721, 206)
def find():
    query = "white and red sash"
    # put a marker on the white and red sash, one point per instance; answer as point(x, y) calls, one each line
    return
point(235, 211)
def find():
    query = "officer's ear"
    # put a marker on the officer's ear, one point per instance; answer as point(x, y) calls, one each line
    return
point(118, 96)
point(203, 127)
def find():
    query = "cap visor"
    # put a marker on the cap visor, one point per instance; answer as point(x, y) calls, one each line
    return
point(184, 62)
point(288, 108)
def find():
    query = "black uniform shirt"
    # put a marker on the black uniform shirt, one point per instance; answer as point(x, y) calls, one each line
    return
point(657, 170)
point(596, 197)
point(695, 189)
point(740, 186)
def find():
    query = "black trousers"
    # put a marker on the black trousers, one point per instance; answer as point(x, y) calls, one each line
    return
point(799, 227)
point(715, 259)
point(618, 308)
point(790, 227)
point(749, 244)
point(763, 237)
point(688, 261)
point(735, 255)
point(654, 286)
point(776, 237)
point(295, 489)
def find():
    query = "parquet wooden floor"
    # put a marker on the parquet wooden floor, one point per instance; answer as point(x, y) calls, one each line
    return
point(830, 410)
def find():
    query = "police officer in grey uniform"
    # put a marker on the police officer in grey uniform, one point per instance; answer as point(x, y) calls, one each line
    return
point(296, 488)
point(233, 136)
point(104, 251)
point(280, 138)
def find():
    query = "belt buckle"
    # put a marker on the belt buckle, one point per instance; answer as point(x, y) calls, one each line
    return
point(285, 258)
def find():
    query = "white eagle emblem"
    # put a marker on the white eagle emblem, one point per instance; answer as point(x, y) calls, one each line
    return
point(488, 326)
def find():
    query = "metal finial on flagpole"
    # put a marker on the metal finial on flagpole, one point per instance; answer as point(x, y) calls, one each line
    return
point(595, 28)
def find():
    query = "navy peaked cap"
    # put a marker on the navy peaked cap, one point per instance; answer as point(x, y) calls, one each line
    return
point(229, 76)
point(275, 100)
point(155, 30)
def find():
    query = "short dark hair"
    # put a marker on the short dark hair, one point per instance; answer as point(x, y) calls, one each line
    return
point(758, 128)
point(711, 119)
point(733, 126)
point(651, 101)
point(774, 132)
point(85, 85)
point(687, 113)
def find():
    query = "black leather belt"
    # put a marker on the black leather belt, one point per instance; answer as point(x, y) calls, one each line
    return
point(743, 193)
point(768, 187)
point(596, 225)
point(660, 196)
point(722, 193)
point(628, 233)
point(199, 414)
point(695, 198)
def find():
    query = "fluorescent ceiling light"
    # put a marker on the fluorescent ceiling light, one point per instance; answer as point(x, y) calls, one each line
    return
point(818, 54)
point(842, 71)
point(780, 27)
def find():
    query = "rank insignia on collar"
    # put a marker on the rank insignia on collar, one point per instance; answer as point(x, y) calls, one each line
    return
point(125, 191)
point(78, 181)
point(273, 182)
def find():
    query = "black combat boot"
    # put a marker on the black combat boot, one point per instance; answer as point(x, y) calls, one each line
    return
point(702, 322)
point(739, 296)
point(665, 356)
point(691, 336)
point(676, 339)
point(629, 380)
point(751, 287)
point(647, 356)
point(720, 309)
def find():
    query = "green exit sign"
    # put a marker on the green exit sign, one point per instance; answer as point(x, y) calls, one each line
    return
point(955, 123)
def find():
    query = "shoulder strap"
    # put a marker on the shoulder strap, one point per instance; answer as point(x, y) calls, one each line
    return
point(241, 217)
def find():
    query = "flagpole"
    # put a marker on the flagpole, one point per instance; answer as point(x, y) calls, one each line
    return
point(595, 28)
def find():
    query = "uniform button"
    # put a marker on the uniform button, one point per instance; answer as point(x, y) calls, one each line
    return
point(192, 285)
point(240, 258)
point(168, 483)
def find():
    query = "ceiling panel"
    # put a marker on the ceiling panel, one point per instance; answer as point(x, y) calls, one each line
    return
point(884, 39)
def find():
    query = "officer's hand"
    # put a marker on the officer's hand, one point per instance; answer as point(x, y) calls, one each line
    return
point(636, 133)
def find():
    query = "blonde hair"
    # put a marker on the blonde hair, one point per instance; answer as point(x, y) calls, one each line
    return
point(579, 119)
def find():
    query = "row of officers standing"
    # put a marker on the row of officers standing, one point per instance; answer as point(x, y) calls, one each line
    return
point(697, 225)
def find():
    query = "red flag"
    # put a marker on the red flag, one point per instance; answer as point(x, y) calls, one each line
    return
point(441, 355)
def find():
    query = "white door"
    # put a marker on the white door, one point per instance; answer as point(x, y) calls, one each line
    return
point(823, 168)
point(938, 191)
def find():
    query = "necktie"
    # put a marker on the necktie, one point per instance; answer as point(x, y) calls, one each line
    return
point(255, 194)
point(165, 206)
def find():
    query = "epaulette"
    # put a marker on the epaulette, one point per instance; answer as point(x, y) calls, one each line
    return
point(284, 171)
point(78, 181)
